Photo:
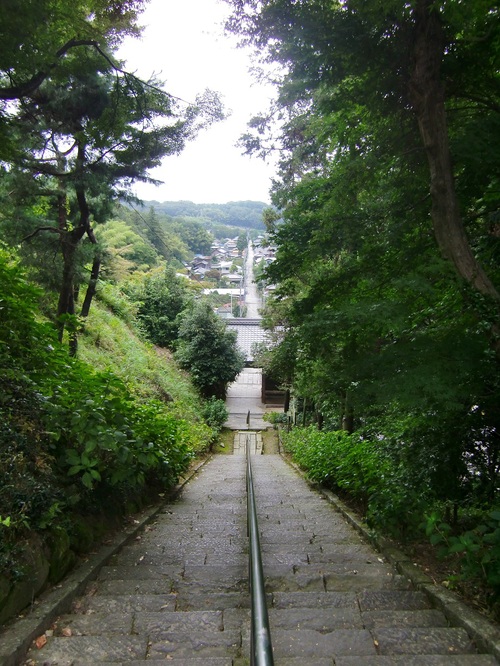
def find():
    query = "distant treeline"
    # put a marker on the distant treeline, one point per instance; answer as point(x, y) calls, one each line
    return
point(243, 214)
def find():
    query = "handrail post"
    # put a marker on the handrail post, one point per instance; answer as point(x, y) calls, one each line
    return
point(261, 652)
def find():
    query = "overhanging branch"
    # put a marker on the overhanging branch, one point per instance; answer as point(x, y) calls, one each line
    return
point(28, 87)
point(53, 230)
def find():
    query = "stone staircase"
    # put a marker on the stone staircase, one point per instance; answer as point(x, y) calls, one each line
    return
point(332, 598)
point(179, 592)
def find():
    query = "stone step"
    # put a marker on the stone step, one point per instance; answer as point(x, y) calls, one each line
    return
point(179, 592)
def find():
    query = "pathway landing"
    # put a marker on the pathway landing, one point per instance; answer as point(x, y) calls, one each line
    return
point(244, 402)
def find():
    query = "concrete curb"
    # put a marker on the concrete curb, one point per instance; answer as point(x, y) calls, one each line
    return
point(16, 637)
point(484, 633)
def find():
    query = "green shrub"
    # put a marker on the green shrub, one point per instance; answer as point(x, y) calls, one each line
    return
point(364, 469)
point(69, 433)
point(102, 435)
point(478, 549)
point(215, 413)
point(275, 418)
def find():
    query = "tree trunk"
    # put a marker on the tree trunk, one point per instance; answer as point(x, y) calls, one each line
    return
point(94, 276)
point(428, 99)
point(66, 304)
point(69, 242)
point(347, 414)
point(92, 286)
point(66, 289)
point(86, 228)
point(72, 332)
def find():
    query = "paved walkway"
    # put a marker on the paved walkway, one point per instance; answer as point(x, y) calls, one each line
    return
point(244, 440)
point(253, 300)
point(179, 593)
point(244, 402)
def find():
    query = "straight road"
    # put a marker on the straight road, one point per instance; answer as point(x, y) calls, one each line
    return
point(253, 300)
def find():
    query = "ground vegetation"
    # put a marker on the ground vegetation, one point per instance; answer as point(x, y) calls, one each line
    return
point(97, 419)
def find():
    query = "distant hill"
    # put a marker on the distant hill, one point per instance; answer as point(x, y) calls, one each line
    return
point(242, 214)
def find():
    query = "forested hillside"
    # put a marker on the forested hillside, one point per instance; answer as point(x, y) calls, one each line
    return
point(97, 415)
point(215, 217)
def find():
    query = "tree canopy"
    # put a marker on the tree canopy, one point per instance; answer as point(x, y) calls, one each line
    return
point(82, 130)
point(387, 275)
point(207, 348)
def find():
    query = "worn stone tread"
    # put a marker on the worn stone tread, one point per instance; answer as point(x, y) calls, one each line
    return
point(125, 603)
point(419, 660)
point(307, 643)
point(95, 648)
point(403, 618)
point(420, 640)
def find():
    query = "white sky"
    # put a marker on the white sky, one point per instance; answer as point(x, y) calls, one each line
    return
point(184, 45)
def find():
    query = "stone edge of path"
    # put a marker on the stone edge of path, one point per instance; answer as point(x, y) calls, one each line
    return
point(17, 636)
point(483, 632)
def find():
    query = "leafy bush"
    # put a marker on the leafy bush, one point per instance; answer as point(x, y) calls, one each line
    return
point(215, 413)
point(366, 471)
point(478, 549)
point(208, 350)
point(163, 298)
point(101, 434)
point(275, 418)
point(69, 433)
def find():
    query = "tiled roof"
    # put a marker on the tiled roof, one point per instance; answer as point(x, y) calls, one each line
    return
point(249, 332)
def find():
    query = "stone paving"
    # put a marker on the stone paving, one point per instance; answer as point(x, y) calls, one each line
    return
point(247, 439)
point(244, 403)
point(179, 592)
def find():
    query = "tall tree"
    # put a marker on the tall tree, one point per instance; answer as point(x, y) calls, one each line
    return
point(208, 350)
point(414, 62)
point(85, 134)
point(388, 137)
point(162, 301)
point(428, 96)
point(36, 39)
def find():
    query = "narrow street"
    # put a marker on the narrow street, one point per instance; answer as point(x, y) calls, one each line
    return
point(253, 300)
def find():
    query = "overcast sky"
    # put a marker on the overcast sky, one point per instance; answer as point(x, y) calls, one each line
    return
point(183, 43)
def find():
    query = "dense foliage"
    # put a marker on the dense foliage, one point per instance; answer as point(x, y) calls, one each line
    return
point(386, 314)
point(73, 436)
point(240, 214)
point(395, 495)
point(207, 348)
point(163, 300)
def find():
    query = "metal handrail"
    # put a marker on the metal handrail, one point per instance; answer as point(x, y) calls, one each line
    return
point(261, 651)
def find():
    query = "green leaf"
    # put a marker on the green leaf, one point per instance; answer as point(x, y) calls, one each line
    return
point(87, 480)
point(458, 547)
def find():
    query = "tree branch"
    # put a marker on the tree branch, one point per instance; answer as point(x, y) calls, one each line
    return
point(28, 87)
point(53, 230)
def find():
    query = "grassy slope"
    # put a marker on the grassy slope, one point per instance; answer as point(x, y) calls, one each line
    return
point(109, 343)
